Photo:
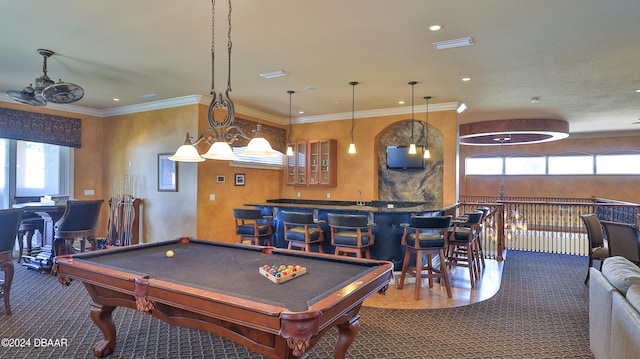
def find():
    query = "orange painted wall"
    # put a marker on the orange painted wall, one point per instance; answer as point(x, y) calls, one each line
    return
point(624, 188)
point(359, 172)
point(132, 143)
point(215, 218)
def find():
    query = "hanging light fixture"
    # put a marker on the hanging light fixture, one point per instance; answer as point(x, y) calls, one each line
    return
point(352, 145)
point(427, 153)
point(221, 133)
point(412, 145)
point(289, 143)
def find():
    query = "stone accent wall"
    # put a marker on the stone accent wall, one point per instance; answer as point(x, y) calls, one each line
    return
point(411, 185)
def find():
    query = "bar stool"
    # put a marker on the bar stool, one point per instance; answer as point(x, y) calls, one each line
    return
point(252, 226)
point(9, 221)
point(351, 233)
point(28, 225)
point(79, 221)
point(26, 231)
point(302, 231)
point(425, 236)
point(461, 242)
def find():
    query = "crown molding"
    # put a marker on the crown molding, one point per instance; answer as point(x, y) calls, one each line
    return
point(447, 106)
point(206, 100)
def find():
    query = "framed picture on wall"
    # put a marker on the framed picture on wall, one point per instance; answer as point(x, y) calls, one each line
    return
point(239, 179)
point(220, 179)
point(167, 173)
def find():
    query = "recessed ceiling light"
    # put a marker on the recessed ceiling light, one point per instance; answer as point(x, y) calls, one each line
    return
point(466, 79)
point(435, 27)
point(448, 44)
point(150, 95)
point(535, 99)
point(310, 88)
point(116, 99)
point(401, 102)
point(273, 74)
point(638, 91)
point(301, 112)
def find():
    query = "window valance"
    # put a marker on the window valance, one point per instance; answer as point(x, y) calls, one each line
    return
point(39, 127)
point(276, 136)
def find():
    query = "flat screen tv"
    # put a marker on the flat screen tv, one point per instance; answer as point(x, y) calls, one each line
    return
point(398, 158)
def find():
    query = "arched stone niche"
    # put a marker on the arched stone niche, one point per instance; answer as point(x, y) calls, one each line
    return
point(424, 185)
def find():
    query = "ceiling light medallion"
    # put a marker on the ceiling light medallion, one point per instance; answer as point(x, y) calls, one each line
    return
point(222, 133)
point(412, 145)
point(352, 145)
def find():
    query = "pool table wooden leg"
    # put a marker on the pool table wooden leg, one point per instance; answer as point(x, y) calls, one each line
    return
point(101, 316)
point(346, 334)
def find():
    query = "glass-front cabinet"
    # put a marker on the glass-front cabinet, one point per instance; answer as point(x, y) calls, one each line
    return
point(313, 164)
point(297, 165)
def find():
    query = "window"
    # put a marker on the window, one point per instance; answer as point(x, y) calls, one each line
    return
point(618, 163)
point(483, 166)
point(525, 165)
point(574, 164)
point(270, 163)
point(33, 169)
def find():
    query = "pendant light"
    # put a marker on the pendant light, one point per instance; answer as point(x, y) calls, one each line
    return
point(290, 144)
point(427, 153)
point(412, 145)
point(222, 132)
point(352, 146)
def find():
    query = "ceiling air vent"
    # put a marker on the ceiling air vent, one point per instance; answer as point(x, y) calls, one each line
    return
point(448, 44)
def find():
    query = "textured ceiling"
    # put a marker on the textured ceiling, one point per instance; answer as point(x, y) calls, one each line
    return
point(579, 57)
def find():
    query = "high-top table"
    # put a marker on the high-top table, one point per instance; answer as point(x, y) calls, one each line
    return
point(50, 214)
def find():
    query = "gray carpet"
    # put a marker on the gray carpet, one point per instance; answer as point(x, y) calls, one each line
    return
point(541, 311)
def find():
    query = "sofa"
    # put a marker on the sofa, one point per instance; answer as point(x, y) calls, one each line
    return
point(614, 309)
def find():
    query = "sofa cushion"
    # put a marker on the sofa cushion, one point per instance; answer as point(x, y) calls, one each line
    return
point(633, 296)
point(621, 273)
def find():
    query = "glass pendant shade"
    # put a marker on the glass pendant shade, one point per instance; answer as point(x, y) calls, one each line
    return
point(187, 153)
point(259, 146)
point(289, 150)
point(412, 149)
point(352, 148)
point(427, 154)
point(220, 150)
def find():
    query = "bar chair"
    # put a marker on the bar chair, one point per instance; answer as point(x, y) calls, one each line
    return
point(461, 243)
point(9, 222)
point(351, 233)
point(302, 231)
point(597, 249)
point(29, 224)
point(425, 236)
point(252, 226)
point(79, 221)
point(623, 240)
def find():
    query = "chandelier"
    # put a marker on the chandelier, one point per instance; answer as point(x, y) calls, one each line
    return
point(221, 133)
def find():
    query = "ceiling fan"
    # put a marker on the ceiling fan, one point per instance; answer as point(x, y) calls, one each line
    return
point(46, 90)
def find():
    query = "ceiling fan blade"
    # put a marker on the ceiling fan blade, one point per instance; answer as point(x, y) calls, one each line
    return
point(26, 96)
point(63, 92)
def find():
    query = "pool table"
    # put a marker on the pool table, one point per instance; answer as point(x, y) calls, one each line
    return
point(217, 287)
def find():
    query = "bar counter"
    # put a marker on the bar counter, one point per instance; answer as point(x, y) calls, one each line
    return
point(387, 215)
